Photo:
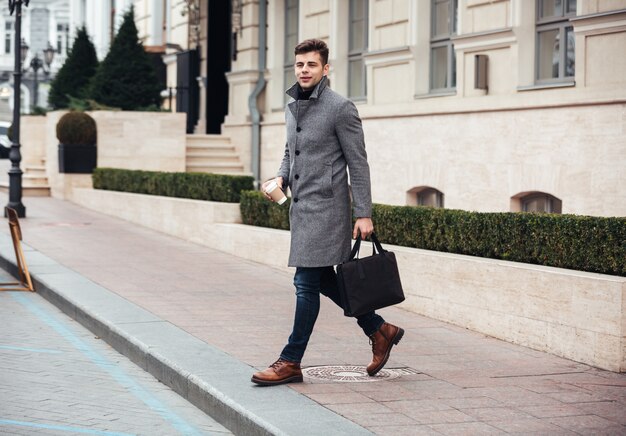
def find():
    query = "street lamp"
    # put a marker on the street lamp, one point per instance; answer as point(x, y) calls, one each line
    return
point(48, 55)
point(23, 50)
point(15, 173)
point(37, 64)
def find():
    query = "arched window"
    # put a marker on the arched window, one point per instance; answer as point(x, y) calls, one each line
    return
point(536, 202)
point(425, 196)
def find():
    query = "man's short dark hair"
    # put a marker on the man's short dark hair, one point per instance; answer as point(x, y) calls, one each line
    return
point(309, 45)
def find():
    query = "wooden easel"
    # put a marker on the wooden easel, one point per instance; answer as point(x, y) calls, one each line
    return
point(25, 283)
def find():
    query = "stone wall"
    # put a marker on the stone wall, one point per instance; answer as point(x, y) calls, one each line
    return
point(153, 141)
point(481, 160)
point(150, 141)
point(33, 140)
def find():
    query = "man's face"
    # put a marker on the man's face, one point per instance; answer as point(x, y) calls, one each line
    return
point(309, 69)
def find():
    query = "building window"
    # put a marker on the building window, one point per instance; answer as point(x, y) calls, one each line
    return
point(291, 40)
point(425, 196)
point(8, 37)
point(556, 60)
point(62, 38)
point(357, 46)
point(539, 202)
point(442, 58)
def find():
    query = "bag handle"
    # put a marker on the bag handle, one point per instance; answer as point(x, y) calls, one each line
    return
point(377, 248)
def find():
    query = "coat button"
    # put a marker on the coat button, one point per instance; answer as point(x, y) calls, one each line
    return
point(297, 152)
point(295, 200)
point(297, 176)
point(298, 129)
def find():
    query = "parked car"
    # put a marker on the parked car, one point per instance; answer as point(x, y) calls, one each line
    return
point(5, 142)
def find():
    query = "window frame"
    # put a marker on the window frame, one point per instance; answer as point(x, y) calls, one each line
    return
point(9, 37)
point(443, 40)
point(288, 59)
point(561, 23)
point(555, 205)
point(356, 55)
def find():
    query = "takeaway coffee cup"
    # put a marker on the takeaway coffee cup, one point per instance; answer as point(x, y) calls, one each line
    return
point(275, 192)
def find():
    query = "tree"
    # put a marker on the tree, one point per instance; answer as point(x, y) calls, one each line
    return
point(126, 78)
point(74, 76)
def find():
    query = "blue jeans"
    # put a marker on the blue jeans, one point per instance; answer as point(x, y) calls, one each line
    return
point(309, 283)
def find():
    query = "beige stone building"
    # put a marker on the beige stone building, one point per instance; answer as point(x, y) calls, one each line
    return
point(486, 105)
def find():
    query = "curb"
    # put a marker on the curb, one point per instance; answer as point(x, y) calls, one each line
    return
point(211, 380)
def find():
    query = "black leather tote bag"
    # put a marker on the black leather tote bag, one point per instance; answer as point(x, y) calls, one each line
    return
point(369, 283)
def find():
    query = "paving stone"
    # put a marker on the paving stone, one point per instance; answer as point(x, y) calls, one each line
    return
point(439, 416)
point(585, 424)
point(404, 430)
point(525, 425)
point(466, 429)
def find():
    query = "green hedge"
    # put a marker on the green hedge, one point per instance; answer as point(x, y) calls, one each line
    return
point(197, 186)
point(584, 243)
point(256, 210)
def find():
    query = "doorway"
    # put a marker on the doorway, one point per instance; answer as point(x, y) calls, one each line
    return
point(218, 57)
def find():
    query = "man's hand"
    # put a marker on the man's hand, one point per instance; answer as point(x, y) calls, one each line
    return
point(279, 182)
point(363, 225)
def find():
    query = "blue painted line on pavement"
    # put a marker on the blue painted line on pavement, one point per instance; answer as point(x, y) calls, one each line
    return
point(119, 375)
point(31, 350)
point(62, 428)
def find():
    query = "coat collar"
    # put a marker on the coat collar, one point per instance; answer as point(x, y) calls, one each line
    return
point(317, 91)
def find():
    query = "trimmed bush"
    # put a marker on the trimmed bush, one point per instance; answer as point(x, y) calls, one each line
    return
point(256, 210)
point(196, 186)
point(76, 128)
point(593, 244)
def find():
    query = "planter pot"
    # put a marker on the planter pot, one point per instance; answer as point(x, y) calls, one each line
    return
point(80, 159)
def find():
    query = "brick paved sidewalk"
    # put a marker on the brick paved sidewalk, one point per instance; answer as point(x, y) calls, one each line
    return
point(463, 382)
point(56, 378)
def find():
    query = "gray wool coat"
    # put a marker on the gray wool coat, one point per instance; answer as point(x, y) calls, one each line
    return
point(324, 136)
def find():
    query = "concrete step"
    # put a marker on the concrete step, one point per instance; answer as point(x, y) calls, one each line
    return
point(212, 154)
point(27, 190)
point(216, 168)
point(208, 140)
point(34, 180)
point(35, 168)
point(213, 151)
point(210, 160)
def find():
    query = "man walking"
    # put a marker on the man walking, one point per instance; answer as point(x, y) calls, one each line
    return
point(324, 136)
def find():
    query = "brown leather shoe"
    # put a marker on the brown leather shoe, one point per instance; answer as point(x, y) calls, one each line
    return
point(279, 372)
point(382, 341)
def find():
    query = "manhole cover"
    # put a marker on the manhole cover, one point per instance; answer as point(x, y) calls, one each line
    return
point(353, 374)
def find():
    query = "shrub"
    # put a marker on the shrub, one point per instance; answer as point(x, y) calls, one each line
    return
point(38, 111)
point(197, 186)
point(126, 78)
point(83, 105)
point(256, 210)
point(594, 244)
point(76, 128)
point(74, 76)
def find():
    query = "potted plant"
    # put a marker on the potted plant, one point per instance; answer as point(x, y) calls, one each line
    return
point(76, 132)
